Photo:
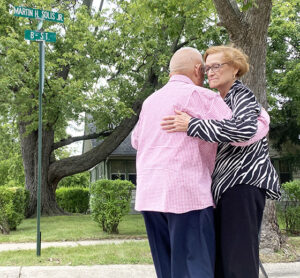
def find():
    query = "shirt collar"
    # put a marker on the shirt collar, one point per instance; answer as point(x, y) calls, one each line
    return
point(181, 78)
point(234, 85)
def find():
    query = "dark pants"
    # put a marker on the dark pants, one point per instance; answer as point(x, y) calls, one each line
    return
point(238, 218)
point(182, 245)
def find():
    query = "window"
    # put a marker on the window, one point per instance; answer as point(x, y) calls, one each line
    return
point(118, 176)
point(123, 169)
point(132, 178)
point(284, 169)
point(93, 175)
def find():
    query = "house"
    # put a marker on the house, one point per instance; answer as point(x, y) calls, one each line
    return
point(286, 161)
point(121, 163)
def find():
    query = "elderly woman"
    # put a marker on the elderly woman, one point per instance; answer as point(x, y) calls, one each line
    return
point(243, 176)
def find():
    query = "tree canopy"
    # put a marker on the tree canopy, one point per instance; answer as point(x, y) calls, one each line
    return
point(105, 63)
point(283, 66)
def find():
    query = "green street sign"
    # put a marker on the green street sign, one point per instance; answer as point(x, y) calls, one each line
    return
point(38, 14)
point(40, 36)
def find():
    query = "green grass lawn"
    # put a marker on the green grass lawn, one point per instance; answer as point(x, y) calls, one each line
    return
point(78, 227)
point(125, 253)
point(82, 227)
point(74, 227)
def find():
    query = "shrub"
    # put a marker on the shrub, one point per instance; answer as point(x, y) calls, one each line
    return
point(19, 203)
point(78, 180)
point(12, 207)
point(73, 199)
point(109, 202)
point(291, 207)
point(6, 209)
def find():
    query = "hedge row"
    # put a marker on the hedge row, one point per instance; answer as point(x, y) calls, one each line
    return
point(289, 207)
point(13, 202)
point(73, 199)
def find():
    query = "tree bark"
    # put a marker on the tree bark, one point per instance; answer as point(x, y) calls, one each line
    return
point(53, 171)
point(29, 148)
point(248, 31)
point(83, 162)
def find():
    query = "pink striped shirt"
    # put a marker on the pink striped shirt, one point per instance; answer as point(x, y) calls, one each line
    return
point(174, 170)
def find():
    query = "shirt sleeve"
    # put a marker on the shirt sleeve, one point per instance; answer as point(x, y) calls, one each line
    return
point(263, 126)
point(204, 104)
point(241, 127)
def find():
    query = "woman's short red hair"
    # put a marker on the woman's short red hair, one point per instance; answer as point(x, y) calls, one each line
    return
point(235, 56)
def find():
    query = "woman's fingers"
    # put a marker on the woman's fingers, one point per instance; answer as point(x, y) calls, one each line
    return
point(178, 112)
point(167, 127)
point(169, 118)
point(167, 122)
point(179, 122)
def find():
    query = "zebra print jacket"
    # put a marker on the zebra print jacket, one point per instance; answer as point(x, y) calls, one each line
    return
point(238, 165)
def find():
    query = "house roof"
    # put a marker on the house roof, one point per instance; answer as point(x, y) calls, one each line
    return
point(124, 149)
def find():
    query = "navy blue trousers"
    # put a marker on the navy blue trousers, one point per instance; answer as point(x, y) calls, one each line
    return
point(238, 217)
point(182, 245)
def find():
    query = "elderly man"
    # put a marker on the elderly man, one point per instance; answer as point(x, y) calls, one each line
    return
point(174, 173)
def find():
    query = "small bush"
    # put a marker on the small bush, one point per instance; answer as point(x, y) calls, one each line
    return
point(73, 199)
point(6, 209)
point(109, 202)
point(12, 207)
point(19, 203)
point(290, 211)
point(78, 180)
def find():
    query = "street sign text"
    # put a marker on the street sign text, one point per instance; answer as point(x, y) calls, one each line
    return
point(38, 14)
point(40, 36)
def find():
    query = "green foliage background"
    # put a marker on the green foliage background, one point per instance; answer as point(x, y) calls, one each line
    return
point(102, 60)
point(283, 67)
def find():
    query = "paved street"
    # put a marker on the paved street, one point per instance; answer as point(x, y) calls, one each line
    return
point(279, 270)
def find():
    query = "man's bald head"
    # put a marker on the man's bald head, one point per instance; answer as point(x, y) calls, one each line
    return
point(188, 61)
point(184, 60)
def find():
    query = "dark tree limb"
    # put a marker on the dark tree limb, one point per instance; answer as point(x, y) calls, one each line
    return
point(71, 140)
point(64, 72)
point(186, 43)
point(230, 17)
point(174, 46)
point(76, 164)
point(80, 163)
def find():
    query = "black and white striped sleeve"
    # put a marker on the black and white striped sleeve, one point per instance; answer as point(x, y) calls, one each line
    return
point(241, 127)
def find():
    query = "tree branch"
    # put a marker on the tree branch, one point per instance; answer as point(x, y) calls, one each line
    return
point(80, 163)
point(174, 46)
point(230, 17)
point(256, 14)
point(64, 72)
point(186, 42)
point(71, 140)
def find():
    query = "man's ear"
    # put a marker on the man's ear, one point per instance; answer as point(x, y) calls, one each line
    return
point(199, 70)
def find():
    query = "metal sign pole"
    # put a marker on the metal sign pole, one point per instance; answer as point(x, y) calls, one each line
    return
point(42, 37)
point(41, 89)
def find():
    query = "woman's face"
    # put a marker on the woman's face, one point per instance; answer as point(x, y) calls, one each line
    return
point(220, 73)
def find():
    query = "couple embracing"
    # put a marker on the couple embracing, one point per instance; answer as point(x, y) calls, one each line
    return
point(203, 168)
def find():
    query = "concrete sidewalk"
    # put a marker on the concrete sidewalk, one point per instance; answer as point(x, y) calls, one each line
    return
point(32, 245)
point(279, 270)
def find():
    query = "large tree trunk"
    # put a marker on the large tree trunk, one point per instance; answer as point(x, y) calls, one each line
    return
point(53, 171)
point(248, 31)
point(29, 147)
